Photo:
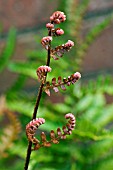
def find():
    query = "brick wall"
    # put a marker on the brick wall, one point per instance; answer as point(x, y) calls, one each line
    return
point(24, 13)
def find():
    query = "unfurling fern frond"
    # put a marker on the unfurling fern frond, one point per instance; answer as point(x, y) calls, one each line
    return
point(43, 70)
point(61, 82)
point(61, 49)
point(10, 132)
point(32, 127)
point(61, 134)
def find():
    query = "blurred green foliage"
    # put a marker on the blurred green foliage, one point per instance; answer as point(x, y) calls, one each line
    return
point(90, 146)
point(7, 52)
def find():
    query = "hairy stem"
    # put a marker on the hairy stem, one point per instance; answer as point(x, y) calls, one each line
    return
point(36, 107)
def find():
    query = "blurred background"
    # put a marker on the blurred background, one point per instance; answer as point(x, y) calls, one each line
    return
point(90, 25)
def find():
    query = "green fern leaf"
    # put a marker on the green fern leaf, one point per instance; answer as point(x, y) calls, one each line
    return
point(92, 35)
point(8, 51)
point(23, 68)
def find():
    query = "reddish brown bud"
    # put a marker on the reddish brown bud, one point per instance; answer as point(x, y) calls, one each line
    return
point(71, 122)
point(45, 41)
point(69, 43)
point(42, 70)
point(58, 17)
point(49, 25)
point(77, 75)
point(59, 31)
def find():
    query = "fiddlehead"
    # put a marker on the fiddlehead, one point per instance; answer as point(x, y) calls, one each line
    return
point(54, 138)
point(41, 72)
point(61, 49)
point(61, 83)
point(31, 128)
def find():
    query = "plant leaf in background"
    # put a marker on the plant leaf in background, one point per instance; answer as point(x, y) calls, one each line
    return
point(8, 50)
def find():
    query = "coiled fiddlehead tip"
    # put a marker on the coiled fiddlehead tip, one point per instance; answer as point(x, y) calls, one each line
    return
point(32, 126)
point(42, 70)
point(57, 17)
point(45, 41)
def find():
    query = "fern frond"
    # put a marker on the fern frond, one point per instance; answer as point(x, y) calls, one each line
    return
point(21, 106)
point(76, 11)
point(89, 135)
point(36, 55)
point(106, 163)
point(8, 51)
point(10, 132)
point(105, 117)
point(26, 69)
point(33, 125)
point(92, 35)
point(100, 149)
point(103, 84)
point(61, 82)
point(14, 90)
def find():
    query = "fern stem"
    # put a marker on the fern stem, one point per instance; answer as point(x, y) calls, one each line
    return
point(38, 101)
point(36, 107)
point(34, 117)
point(28, 156)
point(49, 50)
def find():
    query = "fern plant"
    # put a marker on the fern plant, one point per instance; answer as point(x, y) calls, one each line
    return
point(56, 18)
point(90, 145)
